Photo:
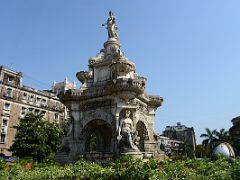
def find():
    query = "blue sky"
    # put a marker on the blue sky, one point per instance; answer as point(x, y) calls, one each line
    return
point(189, 50)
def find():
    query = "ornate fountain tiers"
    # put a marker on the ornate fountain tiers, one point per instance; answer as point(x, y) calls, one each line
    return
point(135, 86)
point(111, 108)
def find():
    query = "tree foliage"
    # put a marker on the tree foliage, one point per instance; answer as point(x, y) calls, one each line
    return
point(214, 137)
point(36, 137)
point(210, 139)
point(222, 136)
point(201, 152)
point(235, 141)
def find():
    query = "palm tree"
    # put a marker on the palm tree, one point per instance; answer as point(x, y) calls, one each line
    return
point(222, 136)
point(210, 139)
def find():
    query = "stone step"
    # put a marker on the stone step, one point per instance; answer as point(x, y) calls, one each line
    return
point(63, 158)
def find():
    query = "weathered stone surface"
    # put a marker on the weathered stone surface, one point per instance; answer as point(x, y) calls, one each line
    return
point(99, 126)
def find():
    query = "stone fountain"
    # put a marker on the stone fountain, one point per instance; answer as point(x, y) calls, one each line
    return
point(111, 115)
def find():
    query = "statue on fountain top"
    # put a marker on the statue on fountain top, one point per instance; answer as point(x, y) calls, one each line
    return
point(111, 26)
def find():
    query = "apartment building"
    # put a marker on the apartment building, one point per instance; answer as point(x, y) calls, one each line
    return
point(17, 99)
point(181, 133)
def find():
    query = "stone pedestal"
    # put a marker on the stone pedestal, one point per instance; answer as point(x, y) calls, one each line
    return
point(101, 158)
point(134, 155)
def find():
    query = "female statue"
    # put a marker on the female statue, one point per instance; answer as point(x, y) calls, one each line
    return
point(126, 131)
point(111, 26)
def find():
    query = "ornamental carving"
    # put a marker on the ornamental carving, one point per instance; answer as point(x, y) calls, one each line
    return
point(96, 104)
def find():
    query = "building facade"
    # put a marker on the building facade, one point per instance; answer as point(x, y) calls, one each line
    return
point(235, 129)
point(17, 99)
point(181, 133)
point(234, 132)
point(170, 146)
point(58, 88)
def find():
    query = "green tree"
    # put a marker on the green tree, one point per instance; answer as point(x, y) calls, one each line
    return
point(36, 138)
point(210, 139)
point(200, 151)
point(235, 141)
point(222, 136)
point(93, 142)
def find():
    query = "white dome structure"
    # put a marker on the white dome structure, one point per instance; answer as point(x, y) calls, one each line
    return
point(224, 149)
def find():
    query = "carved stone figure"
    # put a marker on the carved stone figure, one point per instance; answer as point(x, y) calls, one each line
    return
point(111, 26)
point(69, 127)
point(68, 132)
point(126, 133)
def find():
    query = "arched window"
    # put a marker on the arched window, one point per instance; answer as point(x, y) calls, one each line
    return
point(8, 92)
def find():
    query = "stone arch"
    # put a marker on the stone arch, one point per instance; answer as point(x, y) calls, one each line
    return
point(142, 134)
point(102, 132)
point(93, 115)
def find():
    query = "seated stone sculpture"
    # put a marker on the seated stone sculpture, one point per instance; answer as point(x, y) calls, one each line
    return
point(127, 136)
point(68, 130)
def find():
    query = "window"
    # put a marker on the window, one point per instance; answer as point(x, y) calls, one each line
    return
point(37, 111)
point(44, 102)
point(38, 100)
point(43, 113)
point(5, 122)
point(58, 106)
point(31, 97)
point(56, 116)
point(2, 138)
point(10, 78)
point(24, 96)
point(8, 92)
point(30, 110)
point(4, 126)
point(24, 110)
point(7, 106)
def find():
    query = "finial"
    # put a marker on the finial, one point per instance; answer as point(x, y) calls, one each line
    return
point(111, 26)
point(66, 80)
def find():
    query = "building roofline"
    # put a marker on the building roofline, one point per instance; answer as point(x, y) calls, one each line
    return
point(33, 90)
point(10, 70)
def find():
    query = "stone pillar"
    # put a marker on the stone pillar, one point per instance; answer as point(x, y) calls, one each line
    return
point(76, 122)
point(1, 76)
point(115, 134)
point(76, 149)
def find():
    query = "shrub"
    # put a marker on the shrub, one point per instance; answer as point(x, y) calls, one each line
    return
point(127, 168)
